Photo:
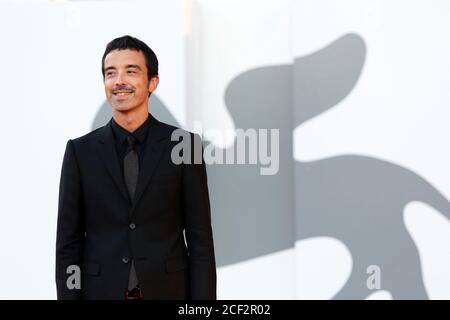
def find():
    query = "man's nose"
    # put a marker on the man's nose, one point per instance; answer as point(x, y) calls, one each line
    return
point(120, 79)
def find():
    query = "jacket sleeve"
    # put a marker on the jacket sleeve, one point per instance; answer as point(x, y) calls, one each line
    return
point(198, 229)
point(70, 233)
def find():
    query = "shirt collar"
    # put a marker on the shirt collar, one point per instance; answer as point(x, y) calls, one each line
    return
point(121, 133)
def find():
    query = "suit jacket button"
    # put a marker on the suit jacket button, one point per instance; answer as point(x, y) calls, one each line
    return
point(125, 260)
point(132, 226)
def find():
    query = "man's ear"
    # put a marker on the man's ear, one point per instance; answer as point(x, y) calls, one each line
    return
point(153, 83)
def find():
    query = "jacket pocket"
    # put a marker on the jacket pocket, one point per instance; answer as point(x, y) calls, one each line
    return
point(91, 268)
point(176, 264)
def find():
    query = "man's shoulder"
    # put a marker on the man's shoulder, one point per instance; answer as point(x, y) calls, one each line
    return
point(88, 137)
point(174, 131)
point(166, 128)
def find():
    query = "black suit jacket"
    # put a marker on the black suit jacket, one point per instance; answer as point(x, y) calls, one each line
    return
point(100, 229)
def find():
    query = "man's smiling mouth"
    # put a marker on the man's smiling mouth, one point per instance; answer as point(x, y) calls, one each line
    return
point(122, 93)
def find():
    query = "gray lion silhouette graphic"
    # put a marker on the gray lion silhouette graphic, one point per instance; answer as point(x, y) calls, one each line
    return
point(356, 199)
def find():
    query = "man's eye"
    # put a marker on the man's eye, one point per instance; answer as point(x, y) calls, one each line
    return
point(131, 71)
point(109, 74)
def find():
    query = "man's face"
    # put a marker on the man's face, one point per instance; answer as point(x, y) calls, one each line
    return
point(126, 82)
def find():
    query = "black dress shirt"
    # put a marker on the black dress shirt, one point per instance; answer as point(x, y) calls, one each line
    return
point(120, 136)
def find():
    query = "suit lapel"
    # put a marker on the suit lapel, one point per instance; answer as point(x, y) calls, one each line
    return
point(155, 146)
point(107, 152)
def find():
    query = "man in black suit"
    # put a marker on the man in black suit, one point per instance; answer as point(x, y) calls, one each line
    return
point(137, 223)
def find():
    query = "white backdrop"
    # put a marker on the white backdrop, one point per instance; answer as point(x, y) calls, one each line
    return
point(397, 112)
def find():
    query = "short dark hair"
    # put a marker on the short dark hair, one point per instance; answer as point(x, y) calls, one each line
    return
point(131, 43)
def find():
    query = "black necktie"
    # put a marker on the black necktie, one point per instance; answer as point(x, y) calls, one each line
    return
point(131, 166)
point(131, 173)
